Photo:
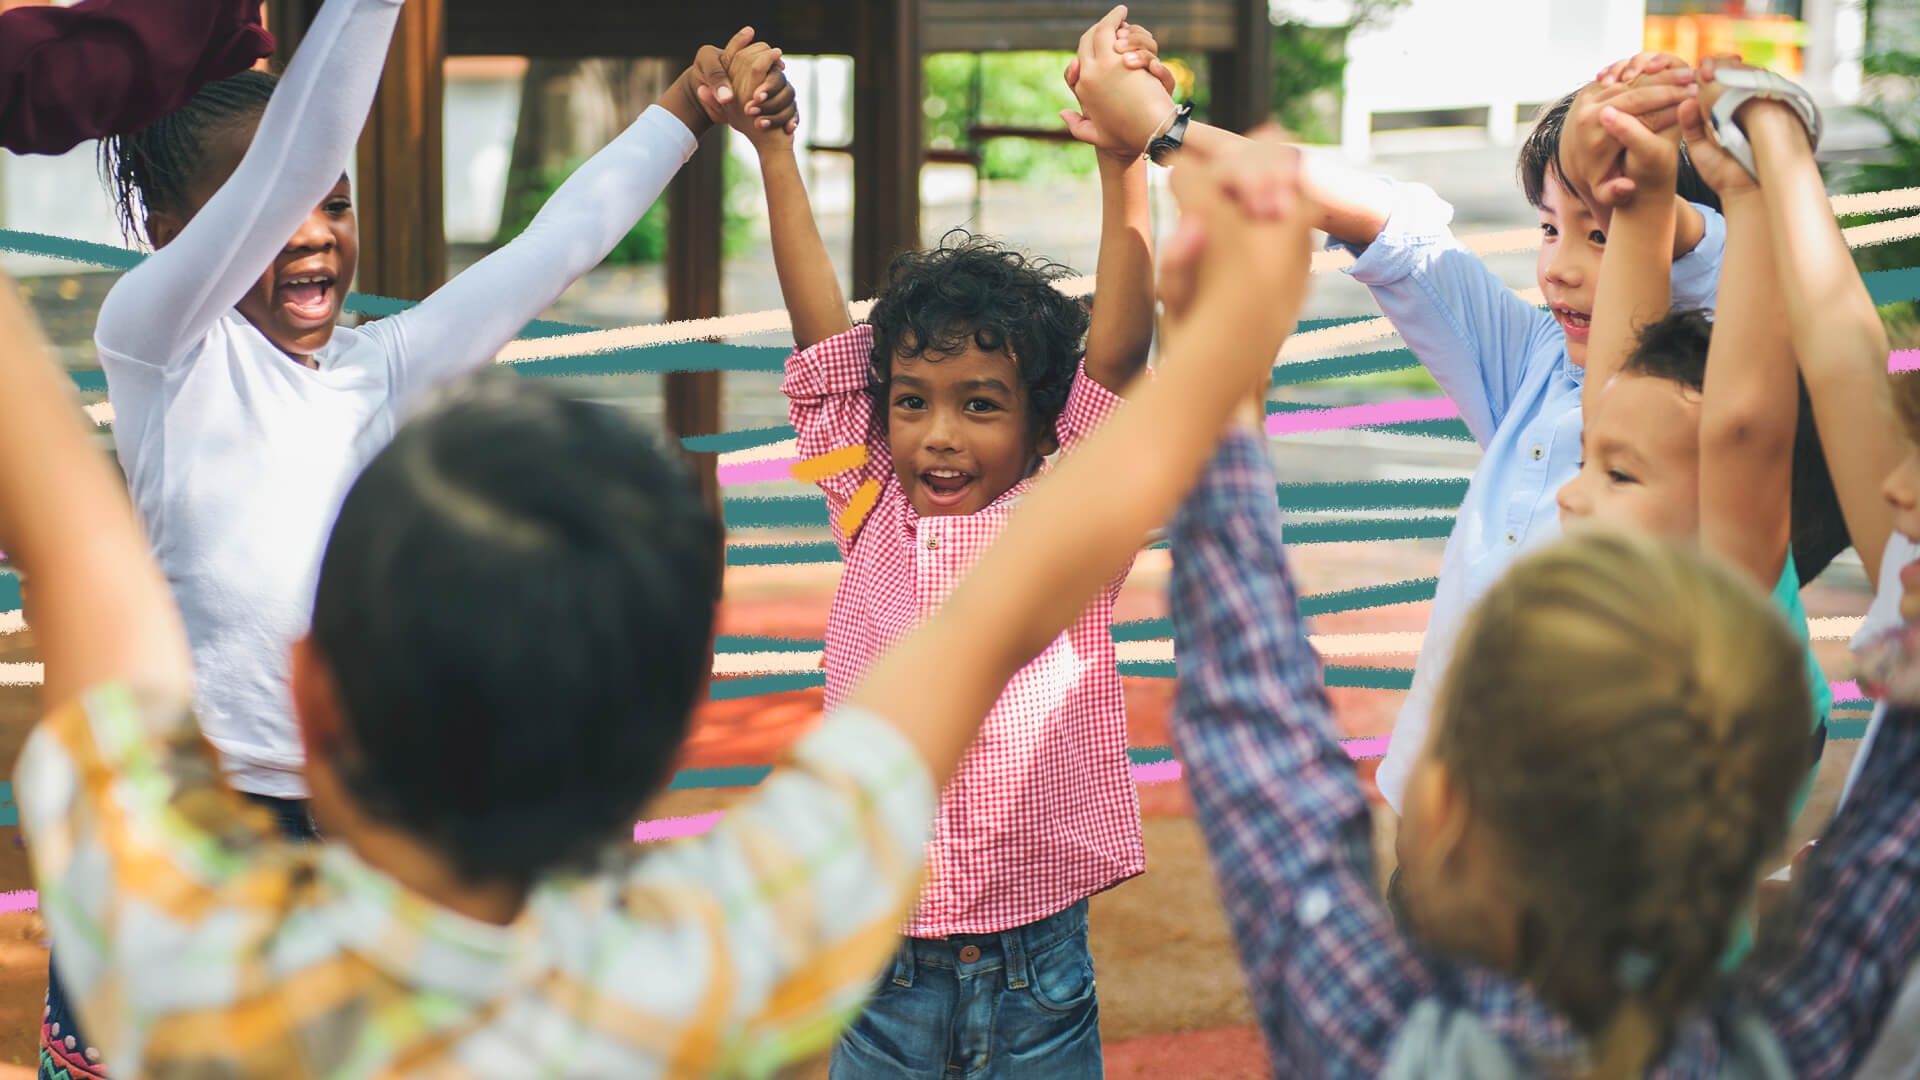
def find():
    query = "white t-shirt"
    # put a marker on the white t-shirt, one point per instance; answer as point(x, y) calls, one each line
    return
point(1897, 1055)
point(238, 456)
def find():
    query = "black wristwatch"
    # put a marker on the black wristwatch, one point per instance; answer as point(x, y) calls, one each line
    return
point(1162, 145)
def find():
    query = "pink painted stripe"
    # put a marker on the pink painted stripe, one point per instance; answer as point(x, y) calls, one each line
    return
point(1158, 772)
point(757, 472)
point(1363, 749)
point(675, 827)
point(1903, 360)
point(1847, 691)
point(23, 900)
point(1347, 416)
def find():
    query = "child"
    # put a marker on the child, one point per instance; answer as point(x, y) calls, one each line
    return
point(242, 412)
point(1513, 370)
point(481, 915)
point(966, 376)
point(1615, 688)
point(1689, 439)
point(104, 67)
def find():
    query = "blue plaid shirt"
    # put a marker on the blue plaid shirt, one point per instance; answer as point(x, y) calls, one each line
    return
point(1332, 980)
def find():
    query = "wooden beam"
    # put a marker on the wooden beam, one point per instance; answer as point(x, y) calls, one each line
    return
point(1241, 79)
point(695, 219)
point(400, 192)
point(1056, 25)
point(886, 137)
point(602, 28)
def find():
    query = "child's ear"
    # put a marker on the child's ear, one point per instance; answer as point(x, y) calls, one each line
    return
point(162, 227)
point(1047, 444)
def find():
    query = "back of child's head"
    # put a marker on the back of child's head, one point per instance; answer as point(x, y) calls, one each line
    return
point(1540, 159)
point(1628, 719)
point(159, 167)
point(973, 292)
point(1906, 402)
point(516, 606)
point(1675, 348)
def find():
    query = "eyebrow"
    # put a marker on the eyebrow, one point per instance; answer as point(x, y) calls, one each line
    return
point(915, 382)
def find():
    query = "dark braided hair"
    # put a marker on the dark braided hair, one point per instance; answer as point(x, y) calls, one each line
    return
point(155, 168)
point(973, 291)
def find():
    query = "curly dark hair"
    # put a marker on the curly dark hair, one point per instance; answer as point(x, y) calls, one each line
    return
point(1675, 348)
point(974, 291)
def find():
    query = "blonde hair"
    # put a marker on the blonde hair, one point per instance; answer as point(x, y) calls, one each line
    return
point(1630, 721)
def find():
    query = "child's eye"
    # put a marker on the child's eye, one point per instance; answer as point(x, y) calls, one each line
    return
point(1619, 477)
point(982, 405)
point(909, 401)
point(1549, 229)
point(337, 207)
point(1597, 237)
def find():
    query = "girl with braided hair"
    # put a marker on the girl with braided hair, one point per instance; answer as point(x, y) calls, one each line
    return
point(1617, 747)
point(242, 413)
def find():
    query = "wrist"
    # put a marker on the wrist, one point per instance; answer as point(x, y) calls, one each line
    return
point(1766, 118)
point(683, 101)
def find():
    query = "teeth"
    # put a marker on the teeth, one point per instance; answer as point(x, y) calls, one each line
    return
point(315, 280)
point(946, 474)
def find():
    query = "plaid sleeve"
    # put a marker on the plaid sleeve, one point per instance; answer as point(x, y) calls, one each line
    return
point(1856, 917)
point(136, 844)
point(1088, 406)
point(807, 883)
point(832, 415)
point(1276, 794)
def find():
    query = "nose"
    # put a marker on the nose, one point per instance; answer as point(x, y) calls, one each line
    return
point(942, 431)
point(1897, 490)
point(1572, 499)
point(1565, 265)
point(314, 234)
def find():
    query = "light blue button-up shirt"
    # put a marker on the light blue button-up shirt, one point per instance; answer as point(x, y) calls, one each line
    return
point(1504, 363)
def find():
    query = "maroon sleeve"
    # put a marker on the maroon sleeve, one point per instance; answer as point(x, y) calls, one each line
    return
point(106, 67)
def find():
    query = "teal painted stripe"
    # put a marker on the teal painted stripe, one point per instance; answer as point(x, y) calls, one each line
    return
point(731, 441)
point(1369, 597)
point(1893, 286)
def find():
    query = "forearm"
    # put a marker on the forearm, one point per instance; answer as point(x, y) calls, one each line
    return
point(1837, 336)
point(102, 611)
point(1121, 331)
point(808, 283)
point(1635, 287)
point(683, 102)
point(1749, 406)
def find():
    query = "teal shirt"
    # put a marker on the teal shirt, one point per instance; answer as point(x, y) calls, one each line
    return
point(1786, 597)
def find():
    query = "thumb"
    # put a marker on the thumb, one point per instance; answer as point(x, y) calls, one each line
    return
point(1629, 131)
point(1073, 72)
point(1080, 127)
point(710, 71)
point(740, 40)
point(1163, 73)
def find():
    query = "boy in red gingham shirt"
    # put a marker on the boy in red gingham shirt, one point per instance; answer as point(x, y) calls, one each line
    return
point(924, 427)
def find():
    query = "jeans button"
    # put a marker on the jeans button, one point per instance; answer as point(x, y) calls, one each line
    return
point(969, 953)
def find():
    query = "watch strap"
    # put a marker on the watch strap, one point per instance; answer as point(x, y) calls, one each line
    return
point(1747, 84)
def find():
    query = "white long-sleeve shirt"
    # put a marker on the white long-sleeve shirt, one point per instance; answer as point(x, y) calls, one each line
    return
point(236, 454)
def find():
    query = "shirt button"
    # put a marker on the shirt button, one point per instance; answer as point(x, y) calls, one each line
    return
point(932, 544)
point(1314, 906)
point(1511, 538)
point(1537, 451)
point(969, 953)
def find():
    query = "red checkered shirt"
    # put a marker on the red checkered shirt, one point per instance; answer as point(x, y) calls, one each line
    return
point(1042, 812)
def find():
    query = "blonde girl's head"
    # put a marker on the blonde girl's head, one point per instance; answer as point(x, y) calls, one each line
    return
point(1618, 740)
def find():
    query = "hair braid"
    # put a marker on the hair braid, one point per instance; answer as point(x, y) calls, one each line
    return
point(157, 168)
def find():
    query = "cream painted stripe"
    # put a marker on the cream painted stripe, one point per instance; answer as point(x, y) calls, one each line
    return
point(12, 622)
point(22, 674)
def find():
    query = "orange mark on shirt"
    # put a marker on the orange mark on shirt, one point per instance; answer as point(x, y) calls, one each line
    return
point(818, 468)
point(858, 506)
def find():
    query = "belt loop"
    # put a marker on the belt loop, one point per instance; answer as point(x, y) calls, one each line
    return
point(1013, 956)
point(903, 963)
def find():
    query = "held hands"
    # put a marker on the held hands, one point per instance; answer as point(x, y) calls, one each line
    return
point(743, 84)
point(1138, 50)
point(1123, 99)
point(1597, 163)
point(1714, 164)
point(1227, 261)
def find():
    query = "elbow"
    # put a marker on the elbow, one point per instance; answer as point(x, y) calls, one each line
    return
point(1751, 431)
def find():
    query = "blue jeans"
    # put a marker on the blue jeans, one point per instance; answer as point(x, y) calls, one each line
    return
point(1009, 1006)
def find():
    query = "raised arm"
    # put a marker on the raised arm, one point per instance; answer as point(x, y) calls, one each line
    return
point(1751, 398)
point(1087, 518)
point(102, 611)
point(105, 67)
point(466, 322)
point(162, 307)
point(1635, 287)
point(1837, 335)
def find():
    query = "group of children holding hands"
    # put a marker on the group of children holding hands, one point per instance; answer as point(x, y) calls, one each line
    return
point(352, 711)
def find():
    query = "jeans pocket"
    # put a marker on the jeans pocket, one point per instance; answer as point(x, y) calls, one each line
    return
point(1062, 975)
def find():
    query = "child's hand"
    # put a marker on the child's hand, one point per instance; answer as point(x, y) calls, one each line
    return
point(1640, 63)
point(1137, 49)
point(1220, 248)
point(1123, 98)
point(1650, 165)
point(1715, 166)
point(1592, 161)
point(762, 106)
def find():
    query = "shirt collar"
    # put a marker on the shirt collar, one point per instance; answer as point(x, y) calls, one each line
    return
point(1000, 507)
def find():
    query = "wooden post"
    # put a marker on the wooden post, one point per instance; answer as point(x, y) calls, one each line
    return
point(287, 21)
point(1241, 81)
point(695, 218)
point(400, 193)
point(886, 137)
